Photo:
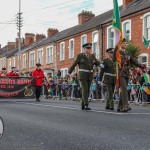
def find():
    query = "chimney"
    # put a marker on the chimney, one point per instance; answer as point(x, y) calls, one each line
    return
point(11, 45)
point(29, 39)
point(39, 37)
point(51, 31)
point(126, 2)
point(84, 16)
point(17, 42)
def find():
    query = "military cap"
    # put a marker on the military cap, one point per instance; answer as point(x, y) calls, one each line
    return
point(87, 45)
point(38, 64)
point(110, 50)
point(4, 68)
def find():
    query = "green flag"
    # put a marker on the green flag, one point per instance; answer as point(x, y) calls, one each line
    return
point(146, 43)
point(116, 23)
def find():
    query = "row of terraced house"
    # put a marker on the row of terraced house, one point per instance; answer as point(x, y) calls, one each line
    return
point(58, 50)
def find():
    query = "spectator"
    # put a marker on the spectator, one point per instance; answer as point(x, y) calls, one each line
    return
point(3, 72)
point(13, 72)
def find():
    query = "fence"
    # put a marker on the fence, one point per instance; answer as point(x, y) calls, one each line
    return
point(73, 91)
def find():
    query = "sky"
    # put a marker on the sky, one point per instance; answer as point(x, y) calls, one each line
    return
point(39, 15)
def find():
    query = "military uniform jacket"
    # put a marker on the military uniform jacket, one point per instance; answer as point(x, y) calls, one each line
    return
point(108, 67)
point(126, 61)
point(84, 63)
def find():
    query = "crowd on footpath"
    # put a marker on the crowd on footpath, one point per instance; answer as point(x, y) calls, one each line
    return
point(60, 87)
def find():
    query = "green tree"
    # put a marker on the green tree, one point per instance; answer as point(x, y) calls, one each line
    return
point(134, 51)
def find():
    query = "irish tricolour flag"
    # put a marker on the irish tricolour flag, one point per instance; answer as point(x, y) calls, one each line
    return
point(146, 43)
point(116, 23)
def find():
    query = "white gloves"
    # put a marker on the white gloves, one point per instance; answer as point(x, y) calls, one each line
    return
point(102, 66)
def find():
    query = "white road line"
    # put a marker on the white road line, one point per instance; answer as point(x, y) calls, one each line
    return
point(75, 108)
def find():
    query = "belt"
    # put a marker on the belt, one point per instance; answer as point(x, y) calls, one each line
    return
point(84, 70)
point(110, 74)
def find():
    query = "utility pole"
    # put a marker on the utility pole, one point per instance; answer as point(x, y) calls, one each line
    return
point(19, 25)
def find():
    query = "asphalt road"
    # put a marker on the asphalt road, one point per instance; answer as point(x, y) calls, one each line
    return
point(61, 125)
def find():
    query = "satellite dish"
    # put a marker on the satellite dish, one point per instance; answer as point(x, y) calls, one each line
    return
point(1, 127)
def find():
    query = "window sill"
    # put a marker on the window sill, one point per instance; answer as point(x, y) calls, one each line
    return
point(71, 58)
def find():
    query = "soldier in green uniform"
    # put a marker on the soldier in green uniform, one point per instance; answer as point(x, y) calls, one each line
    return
point(85, 62)
point(108, 77)
point(126, 61)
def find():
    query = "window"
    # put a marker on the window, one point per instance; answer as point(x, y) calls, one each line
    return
point(143, 58)
point(4, 62)
point(9, 65)
point(13, 62)
point(95, 48)
point(71, 48)
point(32, 59)
point(1, 64)
point(64, 72)
point(40, 57)
point(62, 51)
point(110, 37)
point(23, 61)
point(83, 41)
point(126, 26)
point(146, 26)
point(49, 55)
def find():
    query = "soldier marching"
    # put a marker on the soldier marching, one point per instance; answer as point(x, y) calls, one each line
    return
point(108, 77)
point(85, 62)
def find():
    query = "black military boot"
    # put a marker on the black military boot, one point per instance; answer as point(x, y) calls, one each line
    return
point(87, 108)
point(82, 107)
point(37, 100)
point(107, 107)
point(112, 108)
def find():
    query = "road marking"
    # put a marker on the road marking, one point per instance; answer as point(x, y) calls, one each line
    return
point(75, 108)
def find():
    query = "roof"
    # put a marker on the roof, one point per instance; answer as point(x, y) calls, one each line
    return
point(133, 7)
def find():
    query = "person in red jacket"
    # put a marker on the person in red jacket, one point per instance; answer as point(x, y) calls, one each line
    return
point(38, 75)
point(13, 73)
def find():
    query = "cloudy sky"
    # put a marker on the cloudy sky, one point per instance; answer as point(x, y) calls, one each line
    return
point(39, 15)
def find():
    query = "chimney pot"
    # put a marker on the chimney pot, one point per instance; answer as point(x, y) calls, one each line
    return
point(39, 37)
point(51, 31)
point(84, 16)
point(11, 45)
point(29, 39)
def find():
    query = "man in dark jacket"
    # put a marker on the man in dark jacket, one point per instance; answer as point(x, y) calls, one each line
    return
point(85, 62)
point(38, 75)
point(126, 60)
point(108, 76)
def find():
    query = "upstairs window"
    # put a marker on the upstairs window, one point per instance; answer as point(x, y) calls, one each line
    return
point(110, 37)
point(49, 55)
point(83, 41)
point(40, 57)
point(126, 27)
point(32, 59)
point(62, 51)
point(71, 48)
